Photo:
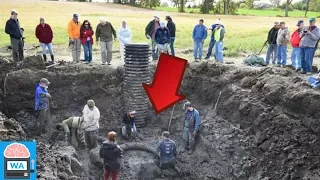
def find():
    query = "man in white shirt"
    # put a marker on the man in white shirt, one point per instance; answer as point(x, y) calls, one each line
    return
point(91, 115)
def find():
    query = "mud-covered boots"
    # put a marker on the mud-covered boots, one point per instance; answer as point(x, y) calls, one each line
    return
point(52, 59)
point(44, 57)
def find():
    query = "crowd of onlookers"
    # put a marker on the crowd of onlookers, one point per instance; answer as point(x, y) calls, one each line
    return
point(304, 41)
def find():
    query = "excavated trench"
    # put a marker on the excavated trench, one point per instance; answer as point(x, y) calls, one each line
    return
point(266, 127)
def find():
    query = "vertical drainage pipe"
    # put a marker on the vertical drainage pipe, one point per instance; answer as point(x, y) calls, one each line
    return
point(136, 72)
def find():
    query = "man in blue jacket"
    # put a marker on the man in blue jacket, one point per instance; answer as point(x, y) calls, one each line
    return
point(212, 41)
point(199, 35)
point(41, 104)
point(191, 126)
point(162, 38)
point(168, 152)
point(16, 34)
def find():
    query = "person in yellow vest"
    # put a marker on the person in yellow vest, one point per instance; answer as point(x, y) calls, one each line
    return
point(218, 35)
point(74, 37)
point(75, 125)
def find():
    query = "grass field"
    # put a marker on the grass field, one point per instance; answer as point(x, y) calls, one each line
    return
point(244, 33)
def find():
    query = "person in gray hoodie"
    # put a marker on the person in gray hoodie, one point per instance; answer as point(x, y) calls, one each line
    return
point(309, 39)
point(282, 41)
point(91, 117)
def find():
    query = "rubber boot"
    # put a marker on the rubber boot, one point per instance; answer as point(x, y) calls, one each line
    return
point(52, 59)
point(45, 57)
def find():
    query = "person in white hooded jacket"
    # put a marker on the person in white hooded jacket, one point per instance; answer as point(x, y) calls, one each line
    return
point(125, 36)
point(91, 117)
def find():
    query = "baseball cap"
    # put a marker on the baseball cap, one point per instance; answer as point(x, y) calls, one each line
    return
point(132, 112)
point(157, 16)
point(76, 16)
point(218, 22)
point(299, 22)
point(44, 80)
point(187, 104)
point(168, 17)
point(312, 19)
point(14, 12)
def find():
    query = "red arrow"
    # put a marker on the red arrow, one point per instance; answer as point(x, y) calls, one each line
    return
point(163, 92)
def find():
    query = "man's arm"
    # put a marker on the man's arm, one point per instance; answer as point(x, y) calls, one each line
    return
point(197, 119)
point(174, 150)
point(101, 154)
point(147, 28)
point(205, 33)
point(37, 32)
point(222, 34)
point(8, 28)
point(50, 31)
point(156, 36)
point(97, 33)
point(158, 148)
point(70, 30)
point(315, 35)
point(113, 31)
point(194, 32)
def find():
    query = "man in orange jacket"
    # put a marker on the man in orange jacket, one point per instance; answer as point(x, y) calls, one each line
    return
point(74, 37)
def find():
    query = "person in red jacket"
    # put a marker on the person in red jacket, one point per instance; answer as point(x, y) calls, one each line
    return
point(45, 35)
point(86, 34)
point(295, 41)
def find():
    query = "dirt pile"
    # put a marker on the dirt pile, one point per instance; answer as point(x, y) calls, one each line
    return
point(266, 126)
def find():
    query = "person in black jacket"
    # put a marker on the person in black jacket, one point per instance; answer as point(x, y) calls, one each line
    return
point(162, 38)
point(111, 154)
point(129, 126)
point(16, 36)
point(172, 29)
point(272, 42)
point(150, 33)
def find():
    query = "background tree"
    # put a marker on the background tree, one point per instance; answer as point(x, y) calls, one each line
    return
point(206, 6)
point(307, 8)
point(249, 3)
point(288, 2)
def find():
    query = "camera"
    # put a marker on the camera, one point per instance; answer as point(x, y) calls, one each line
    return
point(305, 31)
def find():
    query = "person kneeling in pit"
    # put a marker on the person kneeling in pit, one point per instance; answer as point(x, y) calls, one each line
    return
point(129, 126)
point(77, 137)
point(168, 153)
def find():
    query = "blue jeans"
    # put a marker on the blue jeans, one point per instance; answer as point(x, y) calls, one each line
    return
point(271, 48)
point(211, 45)
point(219, 51)
point(282, 54)
point(197, 49)
point(296, 58)
point(306, 54)
point(44, 48)
point(172, 46)
point(87, 48)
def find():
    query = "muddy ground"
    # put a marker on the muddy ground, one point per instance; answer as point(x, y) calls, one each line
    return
point(265, 128)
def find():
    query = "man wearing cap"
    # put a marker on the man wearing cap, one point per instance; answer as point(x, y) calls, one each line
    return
point(41, 104)
point(104, 33)
point(283, 39)
point(272, 43)
point(168, 153)
point(74, 37)
point(309, 39)
point(16, 36)
point(45, 35)
point(150, 33)
point(295, 41)
point(191, 126)
point(172, 29)
point(212, 41)
point(73, 124)
point(162, 38)
point(199, 35)
point(91, 117)
point(129, 126)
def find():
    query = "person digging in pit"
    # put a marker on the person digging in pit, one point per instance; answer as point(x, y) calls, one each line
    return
point(42, 104)
point(91, 117)
point(191, 127)
point(75, 125)
point(168, 153)
point(111, 153)
point(129, 126)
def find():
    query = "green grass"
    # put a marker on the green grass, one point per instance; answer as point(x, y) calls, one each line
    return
point(243, 33)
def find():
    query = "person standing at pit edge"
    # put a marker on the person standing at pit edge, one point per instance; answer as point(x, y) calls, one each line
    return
point(199, 35)
point(309, 39)
point(191, 127)
point(172, 29)
point(74, 37)
point(295, 41)
point(86, 34)
point(162, 38)
point(272, 43)
point(42, 104)
point(150, 33)
point(16, 36)
point(91, 117)
point(45, 35)
point(212, 41)
point(104, 33)
point(283, 39)
point(111, 153)
point(125, 36)
point(218, 34)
